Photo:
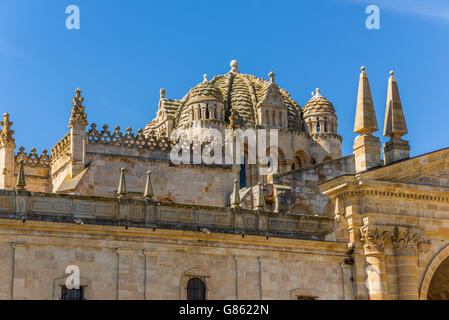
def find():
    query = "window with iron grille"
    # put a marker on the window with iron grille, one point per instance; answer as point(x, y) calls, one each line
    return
point(72, 294)
point(196, 289)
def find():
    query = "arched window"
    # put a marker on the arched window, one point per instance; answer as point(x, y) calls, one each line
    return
point(196, 289)
point(243, 173)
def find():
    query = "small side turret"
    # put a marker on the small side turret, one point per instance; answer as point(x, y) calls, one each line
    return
point(321, 120)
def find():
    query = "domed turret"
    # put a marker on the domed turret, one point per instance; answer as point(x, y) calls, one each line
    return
point(205, 103)
point(321, 120)
point(205, 91)
point(319, 114)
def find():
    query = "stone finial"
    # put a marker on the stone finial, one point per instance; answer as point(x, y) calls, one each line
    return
point(21, 183)
point(365, 116)
point(6, 134)
point(122, 184)
point(148, 194)
point(317, 92)
point(162, 93)
point(235, 196)
point(234, 66)
point(78, 100)
point(394, 125)
point(339, 208)
point(205, 78)
point(78, 114)
point(271, 75)
point(260, 200)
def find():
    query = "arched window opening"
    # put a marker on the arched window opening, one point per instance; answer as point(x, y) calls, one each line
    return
point(298, 163)
point(196, 289)
point(243, 173)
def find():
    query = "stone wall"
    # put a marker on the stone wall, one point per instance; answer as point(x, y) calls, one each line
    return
point(306, 197)
point(135, 263)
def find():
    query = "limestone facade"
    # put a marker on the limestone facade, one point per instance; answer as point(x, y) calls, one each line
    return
point(138, 226)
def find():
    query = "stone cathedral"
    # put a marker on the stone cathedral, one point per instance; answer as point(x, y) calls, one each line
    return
point(373, 224)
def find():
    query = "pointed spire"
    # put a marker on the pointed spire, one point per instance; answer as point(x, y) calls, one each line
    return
point(260, 200)
point(21, 183)
point(148, 194)
point(365, 116)
point(366, 147)
point(394, 125)
point(235, 196)
point(122, 184)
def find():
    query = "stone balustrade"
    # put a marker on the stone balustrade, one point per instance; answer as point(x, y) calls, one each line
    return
point(149, 214)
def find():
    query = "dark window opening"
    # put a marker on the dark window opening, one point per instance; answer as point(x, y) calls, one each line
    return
point(72, 294)
point(196, 289)
point(243, 174)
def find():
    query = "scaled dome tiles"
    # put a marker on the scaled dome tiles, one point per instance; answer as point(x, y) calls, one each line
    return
point(318, 105)
point(242, 93)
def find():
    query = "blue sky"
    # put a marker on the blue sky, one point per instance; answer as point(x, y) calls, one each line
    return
point(125, 51)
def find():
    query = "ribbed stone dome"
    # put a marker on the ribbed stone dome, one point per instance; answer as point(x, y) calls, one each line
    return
point(205, 91)
point(318, 105)
point(239, 92)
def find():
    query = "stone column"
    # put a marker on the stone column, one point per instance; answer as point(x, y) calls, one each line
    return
point(346, 275)
point(125, 280)
point(150, 276)
point(405, 244)
point(237, 258)
point(19, 271)
point(354, 222)
point(372, 239)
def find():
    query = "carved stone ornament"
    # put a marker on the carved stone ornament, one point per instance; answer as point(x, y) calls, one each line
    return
point(372, 239)
point(6, 139)
point(406, 242)
point(78, 115)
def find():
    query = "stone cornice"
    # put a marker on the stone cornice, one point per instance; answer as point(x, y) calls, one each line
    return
point(345, 188)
